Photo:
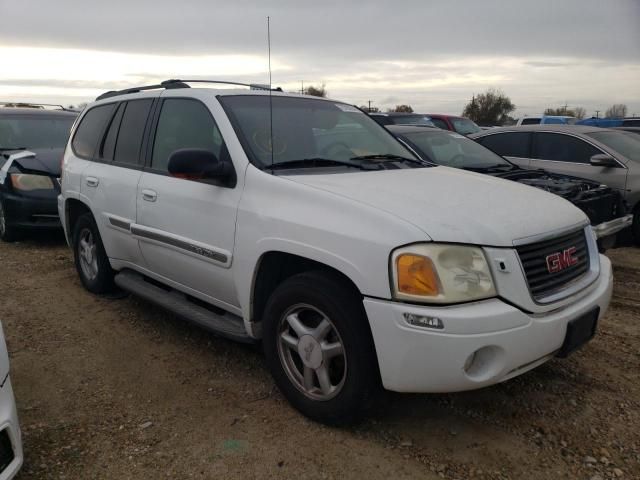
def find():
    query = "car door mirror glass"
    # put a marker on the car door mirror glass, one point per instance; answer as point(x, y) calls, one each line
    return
point(603, 160)
point(197, 164)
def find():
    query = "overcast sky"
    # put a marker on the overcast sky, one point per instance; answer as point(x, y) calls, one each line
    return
point(433, 55)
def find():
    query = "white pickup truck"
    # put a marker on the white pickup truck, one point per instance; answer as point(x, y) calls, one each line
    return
point(300, 223)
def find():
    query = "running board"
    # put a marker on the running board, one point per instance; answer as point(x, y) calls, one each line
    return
point(225, 325)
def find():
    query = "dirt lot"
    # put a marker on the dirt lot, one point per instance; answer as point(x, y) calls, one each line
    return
point(116, 388)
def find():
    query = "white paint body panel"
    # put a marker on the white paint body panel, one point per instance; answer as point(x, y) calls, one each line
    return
point(9, 413)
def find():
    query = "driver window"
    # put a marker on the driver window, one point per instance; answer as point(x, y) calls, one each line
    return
point(184, 123)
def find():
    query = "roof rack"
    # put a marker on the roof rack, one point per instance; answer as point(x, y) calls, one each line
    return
point(40, 106)
point(177, 83)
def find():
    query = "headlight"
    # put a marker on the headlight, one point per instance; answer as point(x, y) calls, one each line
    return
point(26, 182)
point(440, 273)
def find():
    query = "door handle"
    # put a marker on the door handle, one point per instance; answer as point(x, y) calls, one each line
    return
point(92, 181)
point(149, 195)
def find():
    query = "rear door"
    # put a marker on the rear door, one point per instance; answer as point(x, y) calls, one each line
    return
point(111, 180)
point(515, 146)
point(570, 155)
point(186, 228)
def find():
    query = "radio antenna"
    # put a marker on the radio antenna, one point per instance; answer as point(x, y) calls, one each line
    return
point(270, 90)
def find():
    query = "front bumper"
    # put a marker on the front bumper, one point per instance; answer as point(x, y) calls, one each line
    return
point(611, 227)
point(9, 423)
point(31, 212)
point(506, 340)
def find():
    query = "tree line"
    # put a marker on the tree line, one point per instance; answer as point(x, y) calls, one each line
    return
point(490, 108)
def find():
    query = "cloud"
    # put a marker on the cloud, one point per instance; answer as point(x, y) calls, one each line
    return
point(432, 55)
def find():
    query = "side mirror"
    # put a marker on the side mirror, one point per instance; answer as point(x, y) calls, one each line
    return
point(603, 160)
point(198, 164)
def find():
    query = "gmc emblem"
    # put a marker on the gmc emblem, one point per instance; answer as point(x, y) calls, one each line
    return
point(558, 261)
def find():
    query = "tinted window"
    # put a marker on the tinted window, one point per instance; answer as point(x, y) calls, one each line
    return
point(35, 131)
point(511, 144)
point(382, 120)
point(109, 143)
point(131, 130)
point(184, 123)
point(631, 123)
point(530, 121)
point(628, 144)
point(438, 122)
point(562, 148)
point(90, 130)
point(412, 120)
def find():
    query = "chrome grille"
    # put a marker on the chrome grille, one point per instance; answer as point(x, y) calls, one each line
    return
point(534, 262)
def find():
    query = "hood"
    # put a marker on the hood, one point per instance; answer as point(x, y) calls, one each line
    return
point(452, 205)
point(571, 188)
point(43, 160)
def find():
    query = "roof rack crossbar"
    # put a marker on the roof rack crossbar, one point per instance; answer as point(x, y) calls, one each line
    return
point(177, 83)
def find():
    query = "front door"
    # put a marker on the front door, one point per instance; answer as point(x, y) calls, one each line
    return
point(186, 228)
point(570, 155)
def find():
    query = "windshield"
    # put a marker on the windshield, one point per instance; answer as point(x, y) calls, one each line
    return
point(412, 120)
point(625, 143)
point(34, 131)
point(464, 126)
point(306, 131)
point(454, 150)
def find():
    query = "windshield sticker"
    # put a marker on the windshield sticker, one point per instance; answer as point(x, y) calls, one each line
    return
point(347, 108)
point(456, 135)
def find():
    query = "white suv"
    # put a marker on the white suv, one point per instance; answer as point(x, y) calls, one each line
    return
point(301, 223)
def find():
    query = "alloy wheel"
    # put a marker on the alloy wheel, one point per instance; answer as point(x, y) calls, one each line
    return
point(312, 352)
point(87, 254)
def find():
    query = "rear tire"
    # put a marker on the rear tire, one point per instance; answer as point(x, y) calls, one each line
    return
point(90, 257)
point(8, 233)
point(319, 348)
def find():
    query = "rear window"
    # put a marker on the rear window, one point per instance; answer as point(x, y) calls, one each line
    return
point(530, 121)
point(510, 144)
point(90, 130)
point(465, 126)
point(130, 133)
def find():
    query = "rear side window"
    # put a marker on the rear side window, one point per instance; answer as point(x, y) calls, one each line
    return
point(130, 133)
point(562, 148)
point(184, 123)
point(109, 144)
point(90, 130)
point(631, 123)
point(510, 144)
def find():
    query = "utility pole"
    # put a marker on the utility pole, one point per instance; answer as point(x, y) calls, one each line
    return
point(302, 87)
point(597, 113)
point(369, 109)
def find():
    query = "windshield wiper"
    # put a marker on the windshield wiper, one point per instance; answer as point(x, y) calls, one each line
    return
point(389, 157)
point(491, 168)
point(320, 162)
point(12, 148)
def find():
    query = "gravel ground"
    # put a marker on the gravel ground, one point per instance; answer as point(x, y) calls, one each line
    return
point(117, 388)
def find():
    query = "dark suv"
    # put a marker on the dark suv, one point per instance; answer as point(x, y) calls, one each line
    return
point(32, 142)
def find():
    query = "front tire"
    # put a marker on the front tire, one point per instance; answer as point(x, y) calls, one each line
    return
point(319, 348)
point(7, 232)
point(90, 257)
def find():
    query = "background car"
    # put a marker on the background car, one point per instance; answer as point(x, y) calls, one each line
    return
point(635, 130)
point(610, 122)
point(607, 156)
point(11, 456)
point(462, 125)
point(547, 120)
point(398, 118)
point(32, 143)
point(604, 206)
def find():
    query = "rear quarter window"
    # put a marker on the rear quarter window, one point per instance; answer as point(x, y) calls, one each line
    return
point(90, 130)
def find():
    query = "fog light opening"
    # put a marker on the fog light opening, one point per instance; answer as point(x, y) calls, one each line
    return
point(484, 364)
point(423, 321)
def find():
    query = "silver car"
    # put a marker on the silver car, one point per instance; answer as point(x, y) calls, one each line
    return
point(611, 157)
